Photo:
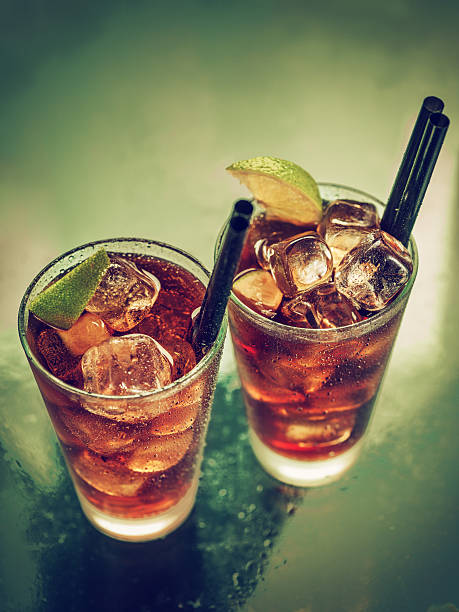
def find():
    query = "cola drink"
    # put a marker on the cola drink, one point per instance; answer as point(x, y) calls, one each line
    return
point(311, 360)
point(128, 398)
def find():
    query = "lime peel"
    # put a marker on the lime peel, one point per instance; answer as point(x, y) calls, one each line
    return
point(285, 189)
point(61, 303)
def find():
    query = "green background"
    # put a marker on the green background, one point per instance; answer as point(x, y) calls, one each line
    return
point(118, 119)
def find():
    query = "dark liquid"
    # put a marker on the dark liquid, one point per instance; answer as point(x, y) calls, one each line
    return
point(306, 400)
point(136, 463)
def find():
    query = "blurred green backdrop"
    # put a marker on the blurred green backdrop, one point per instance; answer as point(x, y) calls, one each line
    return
point(119, 117)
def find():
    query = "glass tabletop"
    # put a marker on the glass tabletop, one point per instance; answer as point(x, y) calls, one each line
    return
point(382, 538)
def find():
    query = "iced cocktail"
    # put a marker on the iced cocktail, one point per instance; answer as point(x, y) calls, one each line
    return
point(128, 397)
point(311, 358)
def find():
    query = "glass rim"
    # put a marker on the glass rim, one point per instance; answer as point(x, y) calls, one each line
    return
point(325, 335)
point(170, 389)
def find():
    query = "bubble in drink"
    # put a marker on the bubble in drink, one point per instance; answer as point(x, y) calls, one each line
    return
point(374, 272)
point(258, 290)
point(89, 330)
point(125, 365)
point(125, 295)
point(300, 263)
point(323, 307)
point(344, 224)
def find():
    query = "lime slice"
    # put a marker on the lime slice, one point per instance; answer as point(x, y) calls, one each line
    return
point(286, 191)
point(62, 303)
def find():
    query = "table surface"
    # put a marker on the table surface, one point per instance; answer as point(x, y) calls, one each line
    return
point(118, 119)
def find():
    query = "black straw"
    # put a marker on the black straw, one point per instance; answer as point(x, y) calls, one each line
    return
point(208, 322)
point(400, 225)
point(430, 105)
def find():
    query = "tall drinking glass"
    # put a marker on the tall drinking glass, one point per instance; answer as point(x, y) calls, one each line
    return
point(134, 459)
point(309, 393)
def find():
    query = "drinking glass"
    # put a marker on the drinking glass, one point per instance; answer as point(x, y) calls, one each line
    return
point(134, 460)
point(309, 393)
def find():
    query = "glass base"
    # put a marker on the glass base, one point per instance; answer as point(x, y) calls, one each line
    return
point(143, 529)
point(303, 473)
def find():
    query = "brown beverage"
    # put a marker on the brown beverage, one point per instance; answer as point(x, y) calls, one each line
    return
point(133, 446)
point(310, 366)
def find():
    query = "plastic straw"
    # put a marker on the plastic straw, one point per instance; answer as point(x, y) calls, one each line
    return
point(208, 322)
point(242, 208)
point(401, 225)
point(430, 105)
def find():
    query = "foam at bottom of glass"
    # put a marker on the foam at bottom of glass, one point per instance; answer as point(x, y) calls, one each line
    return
point(304, 473)
point(144, 529)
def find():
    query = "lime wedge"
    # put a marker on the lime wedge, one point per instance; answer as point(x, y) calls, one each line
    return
point(286, 191)
point(62, 303)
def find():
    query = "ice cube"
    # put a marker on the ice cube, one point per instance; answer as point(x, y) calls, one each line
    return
point(344, 224)
point(106, 475)
point(264, 231)
point(352, 384)
point(182, 353)
point(297, 312)
point(170, 328)
point(125, 365)
point(322, 307)
point(300, 263)
point(374, 271)
point(99, 434)
point(66, 437)
point(258, 290)
point(328, 431)
point(89, 330)
point(125, 295)
point(375, 349)
point(261, 252)
point(291, 376)
point(178, 419)
point(274, 232)
point(160, 453)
